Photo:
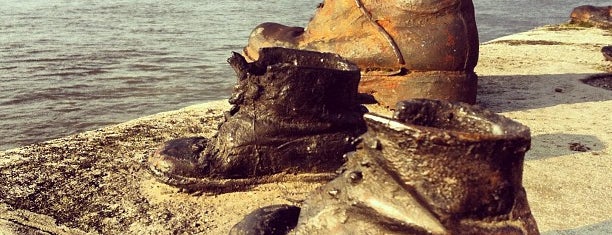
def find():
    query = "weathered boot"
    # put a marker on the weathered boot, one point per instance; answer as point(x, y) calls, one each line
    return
point(294, 114)
point(435, 168)
point(405, 48)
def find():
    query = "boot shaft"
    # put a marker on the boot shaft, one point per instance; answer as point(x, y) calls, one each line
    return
point(464, 161)
point(294, 85)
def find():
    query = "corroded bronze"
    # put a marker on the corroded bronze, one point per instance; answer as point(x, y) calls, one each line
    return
point(293, 112)
point(592, 16)
point(434, 168)
point(393, 42)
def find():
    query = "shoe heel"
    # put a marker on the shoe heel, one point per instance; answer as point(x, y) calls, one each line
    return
point(439, 85)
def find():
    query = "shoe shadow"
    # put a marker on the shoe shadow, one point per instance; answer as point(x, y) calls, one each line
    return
point(560, 144)
point(505, 93)
point(604, 227)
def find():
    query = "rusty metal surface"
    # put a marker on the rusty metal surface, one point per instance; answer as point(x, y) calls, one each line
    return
point(393, 38)
point(598, 16)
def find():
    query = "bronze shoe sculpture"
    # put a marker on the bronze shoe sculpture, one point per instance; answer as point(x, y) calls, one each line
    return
point(434, 168)
point(588, 15)
point(295, 113)
point(405, 48)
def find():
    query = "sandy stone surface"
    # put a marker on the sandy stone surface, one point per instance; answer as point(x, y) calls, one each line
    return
point(95, 182)
point(535, 78)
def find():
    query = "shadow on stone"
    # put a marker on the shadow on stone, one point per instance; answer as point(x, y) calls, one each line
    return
point(560, 144)
point(603, 80)
point(604, 227)
point(522, 92)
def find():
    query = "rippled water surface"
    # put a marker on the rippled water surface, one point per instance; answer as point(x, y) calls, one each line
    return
point(72, 65)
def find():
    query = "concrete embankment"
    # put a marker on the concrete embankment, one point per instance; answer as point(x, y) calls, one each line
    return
point(94, 182)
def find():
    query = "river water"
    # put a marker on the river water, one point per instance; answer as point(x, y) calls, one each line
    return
point(68, 66)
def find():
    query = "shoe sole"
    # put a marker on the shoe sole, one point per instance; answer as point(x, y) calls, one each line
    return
point(217, 186)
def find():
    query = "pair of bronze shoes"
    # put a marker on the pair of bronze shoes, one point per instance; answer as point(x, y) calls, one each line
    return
point(433, 168)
